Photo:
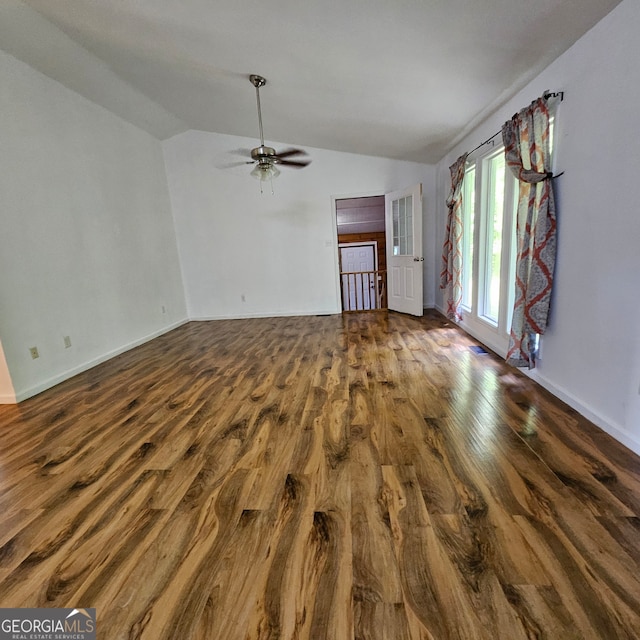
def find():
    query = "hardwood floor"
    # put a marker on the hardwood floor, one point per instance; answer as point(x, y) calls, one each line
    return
point(365, 476)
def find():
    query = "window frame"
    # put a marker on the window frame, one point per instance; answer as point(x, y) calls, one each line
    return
point(492, 332)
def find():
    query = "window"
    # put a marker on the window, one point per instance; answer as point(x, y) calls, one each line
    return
point(492, 222)
point(489, 248)
point(489, 205)
point(468, 216)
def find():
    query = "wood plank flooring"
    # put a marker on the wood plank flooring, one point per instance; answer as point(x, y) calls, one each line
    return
point(365, 476)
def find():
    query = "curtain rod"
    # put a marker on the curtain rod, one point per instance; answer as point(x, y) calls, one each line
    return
point(546, 96)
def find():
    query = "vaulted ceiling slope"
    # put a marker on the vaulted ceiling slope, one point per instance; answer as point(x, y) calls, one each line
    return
point(402, 79)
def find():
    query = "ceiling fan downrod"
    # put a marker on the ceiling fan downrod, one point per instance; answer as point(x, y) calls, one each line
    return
point(258, 81)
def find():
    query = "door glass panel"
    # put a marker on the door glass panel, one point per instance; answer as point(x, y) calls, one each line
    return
point(395, 215)
point(402, 215)
point(403, 227)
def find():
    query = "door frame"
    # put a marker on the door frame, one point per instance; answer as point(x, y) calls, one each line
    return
point(334, 242)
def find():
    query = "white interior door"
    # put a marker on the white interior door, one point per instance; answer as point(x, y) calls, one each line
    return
point(405, 261)
point(358, 289)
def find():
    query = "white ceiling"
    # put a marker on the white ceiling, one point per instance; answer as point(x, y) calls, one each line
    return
point(402, 79)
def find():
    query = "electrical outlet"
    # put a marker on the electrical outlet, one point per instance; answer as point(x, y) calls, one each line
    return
point(34, 352)
point(67, 342)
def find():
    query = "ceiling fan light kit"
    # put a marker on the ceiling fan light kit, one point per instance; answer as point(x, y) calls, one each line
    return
point(266, 158)
point(265, 170)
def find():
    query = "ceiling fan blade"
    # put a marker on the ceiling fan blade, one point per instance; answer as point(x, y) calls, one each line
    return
point(294, 163)
point(241, 152)
point(291, 152)
point(231, 165)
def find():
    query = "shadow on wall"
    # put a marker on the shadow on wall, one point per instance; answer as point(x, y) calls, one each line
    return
point(297, 214)
point(7, 392)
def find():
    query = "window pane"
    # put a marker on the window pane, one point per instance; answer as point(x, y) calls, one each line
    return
point(396, 227)
point(468, 219)
point(402, 214)
point(409, 218)
point(512, 212)
point(494, 236)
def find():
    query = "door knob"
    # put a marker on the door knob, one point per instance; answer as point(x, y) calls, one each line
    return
point(418, 259)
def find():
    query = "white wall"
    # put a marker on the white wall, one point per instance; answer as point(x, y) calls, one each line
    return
point(87, 245)
point(591, 351)
point(278, 251)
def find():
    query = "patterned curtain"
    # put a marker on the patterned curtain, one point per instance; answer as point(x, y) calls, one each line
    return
point(526, 141)
point(451, 274)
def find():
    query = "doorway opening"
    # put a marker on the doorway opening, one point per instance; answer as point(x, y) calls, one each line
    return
point(362, 253)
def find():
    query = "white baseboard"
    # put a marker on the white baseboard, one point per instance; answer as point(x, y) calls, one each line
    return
point(620, 434)
point(617, 432)
point(629, 440)
point(23, 394)
point(267, 314)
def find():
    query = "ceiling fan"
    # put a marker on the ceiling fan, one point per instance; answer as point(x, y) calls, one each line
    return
point(265, 158)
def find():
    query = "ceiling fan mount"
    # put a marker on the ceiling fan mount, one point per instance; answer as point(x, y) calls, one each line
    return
point(257, 81)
